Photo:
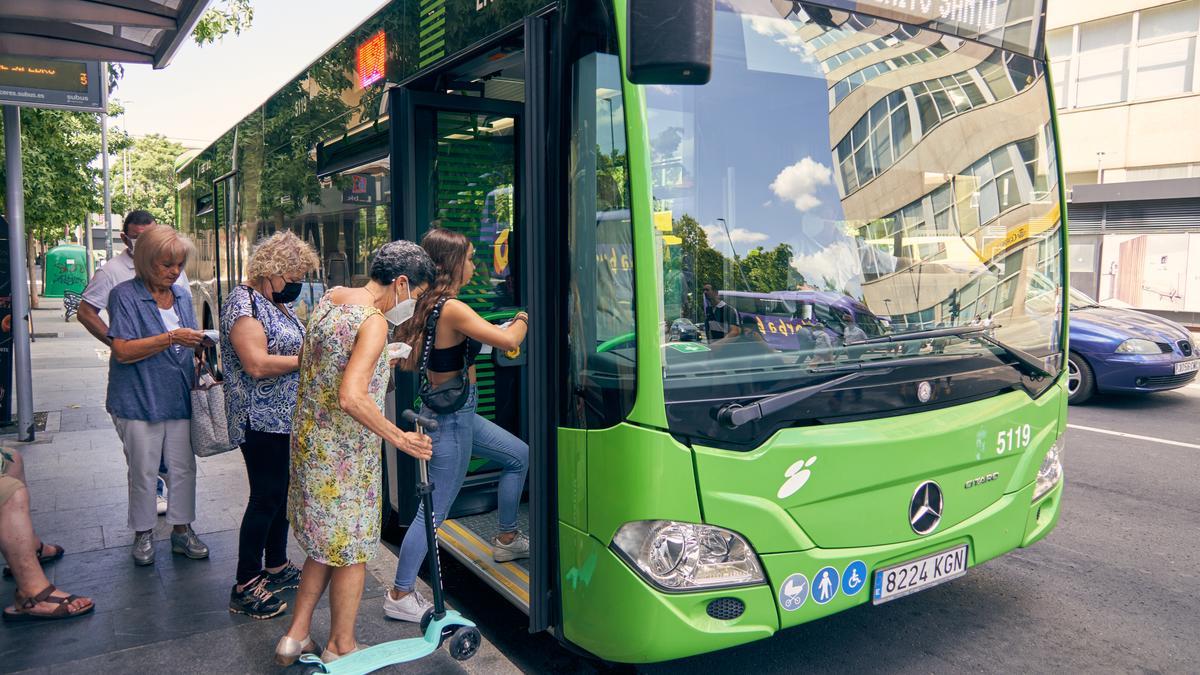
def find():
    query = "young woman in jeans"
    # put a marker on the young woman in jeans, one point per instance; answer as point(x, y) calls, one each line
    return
point(460, 334)
point(260, 347)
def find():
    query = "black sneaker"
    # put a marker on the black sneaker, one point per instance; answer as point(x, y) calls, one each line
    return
point(255, 601)
point(285, 579)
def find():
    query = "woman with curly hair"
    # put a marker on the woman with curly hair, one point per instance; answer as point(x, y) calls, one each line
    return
point(260, 347)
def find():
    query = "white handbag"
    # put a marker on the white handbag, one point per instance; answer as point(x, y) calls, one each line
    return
point(209, 431)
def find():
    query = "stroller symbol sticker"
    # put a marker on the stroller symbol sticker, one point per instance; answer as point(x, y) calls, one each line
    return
point(794, 592)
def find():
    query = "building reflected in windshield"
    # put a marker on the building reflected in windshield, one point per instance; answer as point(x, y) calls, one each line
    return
point(921, 188)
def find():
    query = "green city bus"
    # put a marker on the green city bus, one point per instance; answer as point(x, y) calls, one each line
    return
point(798, 314)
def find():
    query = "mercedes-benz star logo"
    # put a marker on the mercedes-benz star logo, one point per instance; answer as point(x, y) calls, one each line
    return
point(925, 510)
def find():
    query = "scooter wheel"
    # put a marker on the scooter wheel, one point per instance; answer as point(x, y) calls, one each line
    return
point(464, 643)
point(425, 619)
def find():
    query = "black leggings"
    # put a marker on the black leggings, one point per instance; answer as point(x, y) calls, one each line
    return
point(265, 524)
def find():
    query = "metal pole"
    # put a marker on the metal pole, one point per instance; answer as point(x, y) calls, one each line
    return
point(15, 199)
point(87, 245)
point(107, 187)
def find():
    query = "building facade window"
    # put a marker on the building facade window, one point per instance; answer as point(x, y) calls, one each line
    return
point(1142, 55)
point(894, 123)
point(843, 87)
point(890, 40)
point(1166, 50)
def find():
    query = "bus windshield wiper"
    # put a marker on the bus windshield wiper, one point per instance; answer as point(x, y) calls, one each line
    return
point(1033, 364)
point(1022, 357)
point(734, 415)
point(928, 334)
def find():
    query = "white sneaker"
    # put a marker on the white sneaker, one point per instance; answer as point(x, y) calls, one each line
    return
point(409, 608)
point(161, 498)
point(516, 549)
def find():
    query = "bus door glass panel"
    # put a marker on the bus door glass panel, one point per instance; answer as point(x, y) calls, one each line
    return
point(466, 168)
point(346, 222)
point(225, 219)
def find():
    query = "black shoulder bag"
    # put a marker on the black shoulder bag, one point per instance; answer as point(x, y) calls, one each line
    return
point(451, 395)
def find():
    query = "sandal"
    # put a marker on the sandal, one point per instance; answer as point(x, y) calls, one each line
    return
point(42, 559)
point(24, 610)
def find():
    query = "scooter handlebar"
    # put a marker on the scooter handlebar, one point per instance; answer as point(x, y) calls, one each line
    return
point(427, 423)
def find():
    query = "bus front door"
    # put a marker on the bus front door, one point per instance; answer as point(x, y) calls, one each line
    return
point(462, 172)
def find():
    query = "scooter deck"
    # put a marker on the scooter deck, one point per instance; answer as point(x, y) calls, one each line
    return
point(390, 653)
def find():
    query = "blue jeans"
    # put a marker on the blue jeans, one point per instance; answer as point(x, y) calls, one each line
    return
point(459, 435)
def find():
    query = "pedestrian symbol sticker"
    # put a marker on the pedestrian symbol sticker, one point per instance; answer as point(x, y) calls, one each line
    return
point(793, 592)
point(854, 578)
point(825, 585)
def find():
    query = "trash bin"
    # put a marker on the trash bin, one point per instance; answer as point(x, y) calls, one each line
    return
point(65, 270)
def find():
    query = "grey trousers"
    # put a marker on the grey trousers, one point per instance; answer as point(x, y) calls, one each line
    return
point(145, 444)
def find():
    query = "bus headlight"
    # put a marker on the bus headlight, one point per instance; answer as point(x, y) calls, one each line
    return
point(1051, 471)
point(678, 557)
point(1138, 346)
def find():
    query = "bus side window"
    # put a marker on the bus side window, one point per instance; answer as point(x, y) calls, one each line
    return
point(600, 300)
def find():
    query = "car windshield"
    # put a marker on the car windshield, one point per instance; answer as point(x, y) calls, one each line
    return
point(841, 178)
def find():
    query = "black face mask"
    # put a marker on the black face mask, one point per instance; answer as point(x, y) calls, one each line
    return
point(291, 291)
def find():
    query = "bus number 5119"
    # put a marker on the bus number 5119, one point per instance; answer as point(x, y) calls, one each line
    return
point(1014, 438)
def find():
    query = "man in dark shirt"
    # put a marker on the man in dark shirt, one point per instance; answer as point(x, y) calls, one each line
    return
point(720, 320)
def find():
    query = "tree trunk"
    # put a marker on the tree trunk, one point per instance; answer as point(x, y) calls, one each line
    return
point(30, 254)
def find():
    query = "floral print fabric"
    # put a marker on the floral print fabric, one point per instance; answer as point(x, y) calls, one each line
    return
point(333, 498)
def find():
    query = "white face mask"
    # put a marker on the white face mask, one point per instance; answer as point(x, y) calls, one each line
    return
point(403, 310)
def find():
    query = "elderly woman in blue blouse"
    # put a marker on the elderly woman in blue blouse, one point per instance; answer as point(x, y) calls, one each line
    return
point(154, 346)
point(260, 347)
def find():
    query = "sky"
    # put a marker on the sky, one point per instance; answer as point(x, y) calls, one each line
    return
point(206, 90)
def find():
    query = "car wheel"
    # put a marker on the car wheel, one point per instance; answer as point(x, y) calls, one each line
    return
point(1081, 384)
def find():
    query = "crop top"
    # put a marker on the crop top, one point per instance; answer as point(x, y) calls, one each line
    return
point(451, 359)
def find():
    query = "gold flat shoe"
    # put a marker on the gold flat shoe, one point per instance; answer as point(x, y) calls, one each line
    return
point(328, 656)
point(287, 650)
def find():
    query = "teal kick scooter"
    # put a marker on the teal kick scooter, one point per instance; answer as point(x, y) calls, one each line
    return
point(438, 624)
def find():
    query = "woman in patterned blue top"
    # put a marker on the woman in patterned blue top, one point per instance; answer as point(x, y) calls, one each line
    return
point(260, 346)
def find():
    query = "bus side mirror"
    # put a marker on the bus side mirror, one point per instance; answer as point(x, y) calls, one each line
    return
point(670, 41)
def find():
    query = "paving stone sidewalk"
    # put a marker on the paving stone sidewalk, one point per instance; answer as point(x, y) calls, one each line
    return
point(171, 617)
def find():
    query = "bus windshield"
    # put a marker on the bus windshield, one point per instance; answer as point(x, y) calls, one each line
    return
point(841, 178)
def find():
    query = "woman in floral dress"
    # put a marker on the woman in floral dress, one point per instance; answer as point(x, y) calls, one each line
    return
point(333, 497)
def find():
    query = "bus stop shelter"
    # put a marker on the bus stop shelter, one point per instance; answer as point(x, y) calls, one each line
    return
point(122, 31)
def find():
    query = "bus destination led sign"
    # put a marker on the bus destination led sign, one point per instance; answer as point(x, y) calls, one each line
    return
point(978, 15)
point(372, 60)
point(48, 83)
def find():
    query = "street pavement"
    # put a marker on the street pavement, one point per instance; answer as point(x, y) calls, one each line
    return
point(171, 617)
point(1115, 588)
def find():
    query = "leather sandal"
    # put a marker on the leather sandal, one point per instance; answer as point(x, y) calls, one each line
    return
point(24, 609)
point(42, 559)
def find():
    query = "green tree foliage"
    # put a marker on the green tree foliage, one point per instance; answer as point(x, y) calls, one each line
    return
point(228, 16)
point(151, 178)
point(62, 177)
point(770, 269)
point(702, 263)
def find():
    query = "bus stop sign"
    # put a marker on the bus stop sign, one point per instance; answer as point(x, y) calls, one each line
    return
point(51, 83)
